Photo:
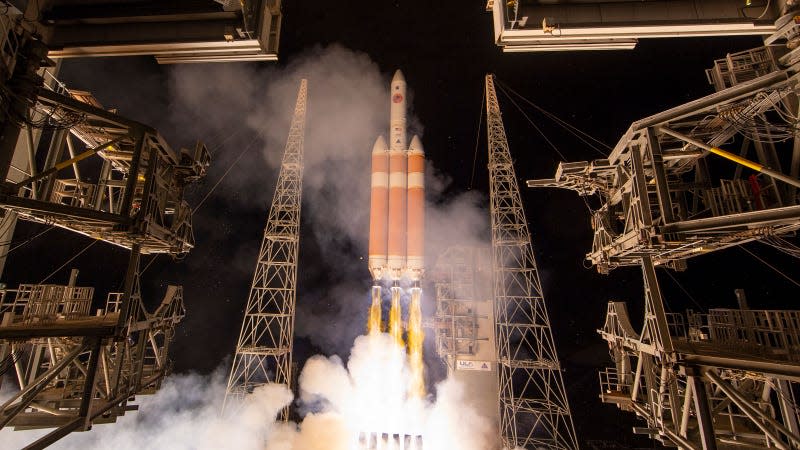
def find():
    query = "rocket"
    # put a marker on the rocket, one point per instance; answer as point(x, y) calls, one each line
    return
point(397, 205)
point(396, 224)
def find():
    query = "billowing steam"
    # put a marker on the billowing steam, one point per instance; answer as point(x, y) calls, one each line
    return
point(242, 106)
point(342, 401)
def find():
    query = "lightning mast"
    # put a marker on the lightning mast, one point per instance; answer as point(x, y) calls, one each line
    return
point(533, 402)
point(264, 350)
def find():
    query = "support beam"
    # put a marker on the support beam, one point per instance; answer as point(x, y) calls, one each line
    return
point(732, 157)
point(757, 416)
point(704, 419)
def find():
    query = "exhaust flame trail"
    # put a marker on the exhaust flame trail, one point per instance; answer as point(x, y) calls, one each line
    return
point(416, 337)
point(395, 319)
point(374, 325)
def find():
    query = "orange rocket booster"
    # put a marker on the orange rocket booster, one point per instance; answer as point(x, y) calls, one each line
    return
point(396, 240)
point(379, 209)
point(415, 241)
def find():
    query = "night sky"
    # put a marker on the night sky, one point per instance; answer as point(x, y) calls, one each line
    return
point(445, 49)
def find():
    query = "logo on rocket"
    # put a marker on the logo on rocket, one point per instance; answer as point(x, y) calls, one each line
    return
point(397, 206)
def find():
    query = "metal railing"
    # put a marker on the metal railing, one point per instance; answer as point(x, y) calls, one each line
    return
point(744, 66)
point(50, 302)
point(768, 332)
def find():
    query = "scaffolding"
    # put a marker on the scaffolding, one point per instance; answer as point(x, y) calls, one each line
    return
point(667, 193)
point(126, 184)
point(75, 368)
point(729, 379)
point(668, 190)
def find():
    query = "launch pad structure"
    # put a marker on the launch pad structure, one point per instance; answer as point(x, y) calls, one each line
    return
point(669, 192)
point(173, 32)
point(78, 361)
point(564, 25)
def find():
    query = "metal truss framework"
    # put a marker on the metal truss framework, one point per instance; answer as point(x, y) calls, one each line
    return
point(137, 192)
point(264, 350)
point(656, 188)
point(74, 367)
point(127, 184)
point(533, 402)
point(459, 277)
point(728, 380)
point(725, 381)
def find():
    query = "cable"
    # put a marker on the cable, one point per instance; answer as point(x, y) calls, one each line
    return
point(541, 133)
point(575, 131)
point(684, 290)
point(770, 266)
point(763, 13)
point(69, 261)
point(477, 140)
point(148, 265)
point(221, 143)
point(29, 240)
point(9, 361)
point(781, 245)
point(224, 174)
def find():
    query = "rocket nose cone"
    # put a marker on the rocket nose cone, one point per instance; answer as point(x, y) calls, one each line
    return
point(398, 77)
point(380, 145)
point(416, 144)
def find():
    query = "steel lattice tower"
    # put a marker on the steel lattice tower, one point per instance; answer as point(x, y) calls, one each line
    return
point(264, 351)
point(534, 411)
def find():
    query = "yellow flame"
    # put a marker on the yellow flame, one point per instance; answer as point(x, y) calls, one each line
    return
point(415, 334)
point(416, 337)
point(374, 325)
point(395, 319)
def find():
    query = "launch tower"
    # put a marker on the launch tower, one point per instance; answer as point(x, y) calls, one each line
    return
point(264, 350)
point(533, 402)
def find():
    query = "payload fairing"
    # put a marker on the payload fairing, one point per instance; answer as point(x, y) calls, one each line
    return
point(397, 210)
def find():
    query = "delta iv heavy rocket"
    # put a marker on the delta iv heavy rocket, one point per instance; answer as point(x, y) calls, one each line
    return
point(396, 238)
point(397, 210)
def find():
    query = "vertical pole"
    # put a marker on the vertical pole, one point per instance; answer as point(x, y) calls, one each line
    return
point(788, 411)
point(31, 147)
point(102, 182)
point(88, 386)
point(133, 171)
point(73, 277)
point(130, 284)
point(656, 304)
point(687, 410)
point(704, 421)
point(8, 224)
point(72, 154)
point(54, 154)
point(662, 188)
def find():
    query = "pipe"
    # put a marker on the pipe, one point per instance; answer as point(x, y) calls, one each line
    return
point(735, 158)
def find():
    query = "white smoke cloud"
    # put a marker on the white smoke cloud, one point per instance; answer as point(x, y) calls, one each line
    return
point(183, 414)
point(369, 394)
